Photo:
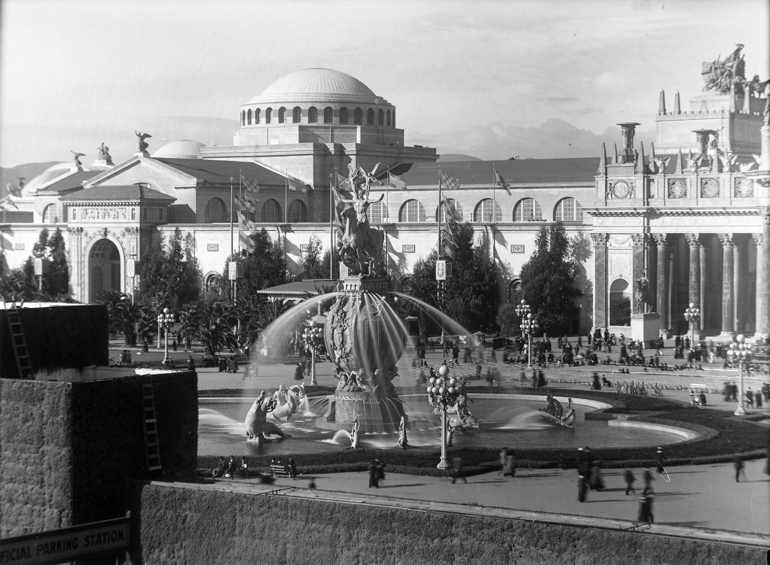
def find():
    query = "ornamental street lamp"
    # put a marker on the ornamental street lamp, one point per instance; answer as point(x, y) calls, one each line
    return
point(443, 394)
point(741, 353)
point(528, 326)
point(313, 336)
point(165, 321)
point(692, 315)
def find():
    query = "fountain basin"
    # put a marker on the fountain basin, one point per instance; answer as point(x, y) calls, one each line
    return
point(375, 412)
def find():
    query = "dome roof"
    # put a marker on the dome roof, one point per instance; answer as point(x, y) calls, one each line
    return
point(316, 85)
point(182, 149)
point(51, 174)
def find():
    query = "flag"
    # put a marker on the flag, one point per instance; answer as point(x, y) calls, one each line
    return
point(449, 182)
point(245, 228)
point(451, 211)
point(252, 188)
point(396, 182)
point(294, 184)
point(500, 179)
point(245, 204)
point(337, 218)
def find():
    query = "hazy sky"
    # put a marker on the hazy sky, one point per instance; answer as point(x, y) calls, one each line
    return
point(76, 73)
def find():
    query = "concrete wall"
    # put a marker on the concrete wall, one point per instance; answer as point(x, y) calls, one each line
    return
point(66, 449)
point(190, 526)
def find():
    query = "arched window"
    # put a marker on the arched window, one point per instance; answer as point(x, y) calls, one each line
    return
point(343, 115)
point(281, 115)
point(328, 115)
point(381, 118)
point(394, 117)
point(312, 115)
point(370, 117)
point(211, 281)
point(296, 115)
point(457, 207)
point(248, 117)
point(50, 214)
point(527, 210)
point(378, 213)
point(256, 115)
point(268, 115)
point(568, 210)
point(358, 116)
point(297, 212)
point(243, 118)
point(411, 211)
point(484, 211)
point(388, 117)
point(216, 211)
point(271, 211)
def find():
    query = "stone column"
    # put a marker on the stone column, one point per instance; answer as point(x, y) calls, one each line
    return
point(702, 294)
point(694, 242)
point(738, 285)
point(661, 294)
point(728, 291)
point(600, 280)
point(763, 292)
point(638, 268)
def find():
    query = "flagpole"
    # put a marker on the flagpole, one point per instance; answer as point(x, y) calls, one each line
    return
point(439, 212)
point(387, 199)
point(232, 245)
point(494, 195)
point(240, 196)
point(332, 180)
point(286, 199)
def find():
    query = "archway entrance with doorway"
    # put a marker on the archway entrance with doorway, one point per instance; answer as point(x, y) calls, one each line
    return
point(620, 303)
point(104, 268)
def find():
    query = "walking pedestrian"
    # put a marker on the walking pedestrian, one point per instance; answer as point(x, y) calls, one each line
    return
point(629, 477)
point(648, 478)
point(645, 509)
point(659, 458)
point(374, 474)
point(739, 467)
point(291, 466)
point(299, 373)
point(457, 469)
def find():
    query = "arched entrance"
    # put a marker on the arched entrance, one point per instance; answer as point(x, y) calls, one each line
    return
point(104, 268)
point(620, 303)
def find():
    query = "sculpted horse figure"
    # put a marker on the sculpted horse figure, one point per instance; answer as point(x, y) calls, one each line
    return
point(257, 426)
point(289, 402)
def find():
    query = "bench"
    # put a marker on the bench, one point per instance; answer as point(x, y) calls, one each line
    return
point(279, 471)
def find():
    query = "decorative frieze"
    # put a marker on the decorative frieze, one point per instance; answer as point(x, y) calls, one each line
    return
point(104, 213)
point(744, 188)
point(677, 188)
point(709, 188)
point(621, 190)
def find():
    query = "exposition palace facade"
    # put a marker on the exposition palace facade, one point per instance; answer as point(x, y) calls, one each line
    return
point(689, 215)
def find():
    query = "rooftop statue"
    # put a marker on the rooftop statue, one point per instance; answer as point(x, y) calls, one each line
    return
point(77, 157)
point(143, 145)
point(361, 246)
point(762, 88)
point(104, 154)
point(720, 76)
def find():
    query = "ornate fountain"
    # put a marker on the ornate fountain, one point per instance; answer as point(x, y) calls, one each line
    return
point(365, 336)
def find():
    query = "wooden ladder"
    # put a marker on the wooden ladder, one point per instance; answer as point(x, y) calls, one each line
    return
point(151, 443)
point(19, 342)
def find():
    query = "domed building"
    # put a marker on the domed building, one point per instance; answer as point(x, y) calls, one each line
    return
point(183, 149)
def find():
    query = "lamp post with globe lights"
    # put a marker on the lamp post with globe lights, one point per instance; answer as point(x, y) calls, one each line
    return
point(313, 337)
point(528, 326)
point(165, 321)
point(740, 353)
point(443, 394)
point(692, 315)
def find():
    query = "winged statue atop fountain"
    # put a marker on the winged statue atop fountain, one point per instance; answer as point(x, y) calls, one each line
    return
point(361, 245)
